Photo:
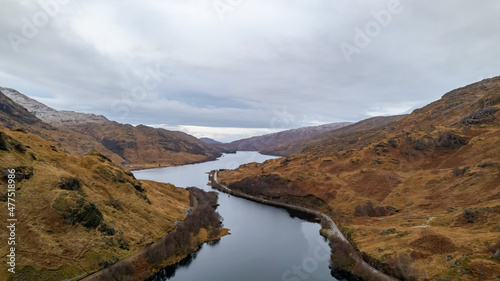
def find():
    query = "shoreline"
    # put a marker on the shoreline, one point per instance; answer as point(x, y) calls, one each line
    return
point(333, 234)
point(140, 256)
point(140, 167)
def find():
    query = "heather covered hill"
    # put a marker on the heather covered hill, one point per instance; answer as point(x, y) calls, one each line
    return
point(278, 143)
point(297, 146)
point(133, 146)
point(420, 195)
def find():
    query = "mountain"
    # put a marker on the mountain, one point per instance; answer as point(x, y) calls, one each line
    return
point(298, 145)
point(50, 115)
point(210, 141)
point(14, 116)
point(420, 197)
point(274, 143)
point(133, 146)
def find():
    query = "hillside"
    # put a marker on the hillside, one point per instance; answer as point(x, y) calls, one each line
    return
point(279, 143)
point(297, 146)
point(146, 147)
point(132, 146)
point(76, 213)
point(421, 196)
point(209, 140)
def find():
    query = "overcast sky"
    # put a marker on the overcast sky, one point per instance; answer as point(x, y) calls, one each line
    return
point(232, 68)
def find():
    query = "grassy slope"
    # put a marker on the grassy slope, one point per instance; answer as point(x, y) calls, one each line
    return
point(418, 166)
point(49, 247)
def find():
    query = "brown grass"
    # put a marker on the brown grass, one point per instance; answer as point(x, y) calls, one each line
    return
point(49, 245)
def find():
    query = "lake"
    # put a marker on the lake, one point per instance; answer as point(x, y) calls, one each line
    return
point(265, 244)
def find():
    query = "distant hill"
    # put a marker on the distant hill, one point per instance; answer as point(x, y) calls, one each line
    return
point(420, 194)
point(275, 143)
point(210, 141)
point(298, 145)
point(133, 146)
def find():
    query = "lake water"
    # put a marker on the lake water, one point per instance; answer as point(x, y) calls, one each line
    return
point(266, 243)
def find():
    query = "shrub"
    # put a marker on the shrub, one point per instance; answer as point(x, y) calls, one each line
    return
point(22, 173)
point(451, 140)
point(120, 271)
point(3, 141)
point(358, 211)
point(420, 144)
point(392, 142)
point(368, 210)
point(106, 229)
point(19, 146)
point(75, 208)
point(479, 117)
point(401, 266)
point(117, 204)
point(458, 172)
point(70, 183)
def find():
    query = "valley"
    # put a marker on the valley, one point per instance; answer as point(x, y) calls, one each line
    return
point(416, 195)
point(254, 140)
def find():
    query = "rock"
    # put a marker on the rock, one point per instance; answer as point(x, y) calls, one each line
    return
point(455, 264)
point(497, 255)
point(464, 271)
point(388, 231)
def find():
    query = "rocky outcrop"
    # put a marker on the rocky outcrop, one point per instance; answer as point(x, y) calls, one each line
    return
point(50, 115)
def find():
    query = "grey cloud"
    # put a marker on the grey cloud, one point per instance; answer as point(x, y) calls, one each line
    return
point(264, 60)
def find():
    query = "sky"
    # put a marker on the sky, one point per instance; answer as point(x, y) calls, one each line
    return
point(229, 69)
